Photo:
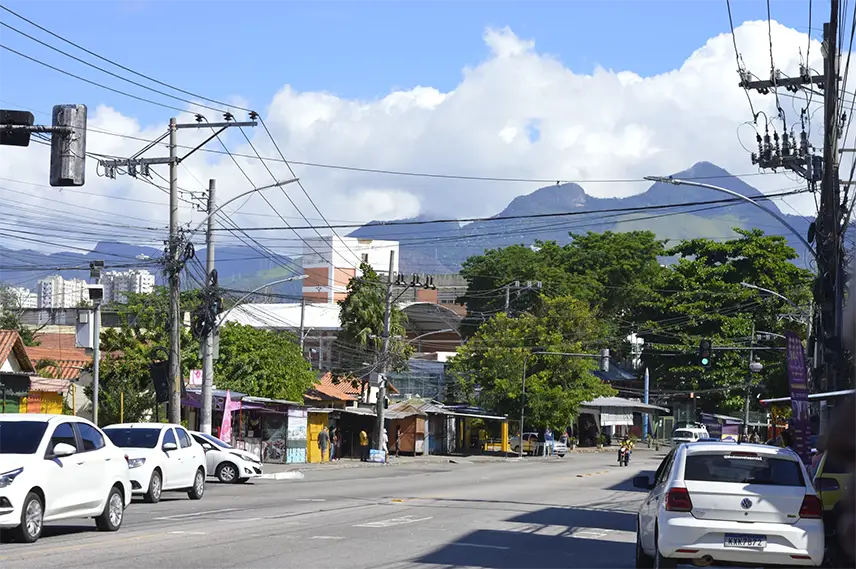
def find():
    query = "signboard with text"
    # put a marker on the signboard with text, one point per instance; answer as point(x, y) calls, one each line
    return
point(798, 381)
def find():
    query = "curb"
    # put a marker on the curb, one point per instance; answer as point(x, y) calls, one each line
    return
point(291, 475)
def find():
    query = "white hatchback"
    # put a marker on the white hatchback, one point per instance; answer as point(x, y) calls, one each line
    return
point(227, 463)
point(56, 467)
point(161, 457)
point(728, 503)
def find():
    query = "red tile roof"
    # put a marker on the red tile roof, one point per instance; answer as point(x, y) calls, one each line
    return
point(49, 385)
point(11, 343)
point(326, 389)
point(61, 349)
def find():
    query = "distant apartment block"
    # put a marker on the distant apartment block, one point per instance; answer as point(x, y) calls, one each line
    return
point(329, 263)
point(57, 292)
point(118, 284)
point(23, 297)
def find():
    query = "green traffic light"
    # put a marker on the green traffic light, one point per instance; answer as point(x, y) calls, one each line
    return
point(705, 361)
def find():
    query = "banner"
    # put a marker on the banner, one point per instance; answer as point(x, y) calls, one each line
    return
point(226, 425)
point(797, 378)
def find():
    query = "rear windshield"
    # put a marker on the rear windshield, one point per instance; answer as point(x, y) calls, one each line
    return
point(683, 434)
point(21, 437)
point(134, 438)
point(743, 469)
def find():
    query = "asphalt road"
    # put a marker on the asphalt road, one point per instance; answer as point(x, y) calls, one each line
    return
point(571, 512)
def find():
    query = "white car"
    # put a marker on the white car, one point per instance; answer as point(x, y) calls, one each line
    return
point(56, 467)
point(729, 503)
point(227, 463)
point(161, 457)
point(689, 435)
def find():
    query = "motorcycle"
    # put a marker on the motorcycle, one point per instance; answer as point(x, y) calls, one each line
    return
point(624, 456)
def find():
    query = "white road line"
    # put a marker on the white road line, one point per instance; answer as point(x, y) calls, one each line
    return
point(311, 500)
point(189, 532)
point(393, 522)
point(501, 547)
point(195, 514)
point(227, 520)
point(327, 537)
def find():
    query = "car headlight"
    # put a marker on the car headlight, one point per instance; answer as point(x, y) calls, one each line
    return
point(6, 478)
point(242, 457)
point(136, 462)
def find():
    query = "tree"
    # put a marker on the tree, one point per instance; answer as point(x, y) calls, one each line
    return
point(262, 363)
point(361, 317)
point(11, 311)
point(610, 271)
point(700, 296)
point(488, 369)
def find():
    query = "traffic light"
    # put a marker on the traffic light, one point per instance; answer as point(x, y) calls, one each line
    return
point(704, 349)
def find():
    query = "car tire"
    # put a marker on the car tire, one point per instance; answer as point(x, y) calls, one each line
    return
point(114, 511)
point(198, 489)
point(153, 494)
point(562, 455)
point(227, 472)
point(242, 480)
point(32, 519)
point(661, 562)
point(643, 560)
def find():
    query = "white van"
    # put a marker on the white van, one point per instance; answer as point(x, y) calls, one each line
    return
point(689, 435)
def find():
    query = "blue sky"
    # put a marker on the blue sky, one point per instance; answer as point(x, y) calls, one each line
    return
point(351, 49)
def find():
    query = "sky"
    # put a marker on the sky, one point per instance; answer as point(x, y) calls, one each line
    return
point(571, 91)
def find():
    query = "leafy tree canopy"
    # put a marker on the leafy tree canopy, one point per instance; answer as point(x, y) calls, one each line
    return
point(10, 316)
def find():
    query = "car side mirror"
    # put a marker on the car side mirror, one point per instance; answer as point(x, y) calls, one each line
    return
point(207, 447)
point(61, 450)
point(169, 446)
point(643, 482)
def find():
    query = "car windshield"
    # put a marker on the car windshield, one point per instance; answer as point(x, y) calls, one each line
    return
point(212, 440)
point(21, 437)
point(743, 468)
point(683, 435)
point(134, 438)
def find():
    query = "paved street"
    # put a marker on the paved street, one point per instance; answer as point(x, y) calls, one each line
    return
point(572, 512)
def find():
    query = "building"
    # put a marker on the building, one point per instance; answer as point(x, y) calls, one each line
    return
point(329, 263)
point(23, 298)
point(118, 284)
point(57, 292)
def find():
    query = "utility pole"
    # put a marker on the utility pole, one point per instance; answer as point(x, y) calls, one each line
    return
point(176, 254)
point(95, 272)
point(645, 400)
point(507, 299)
point(517, 288)
point(302, 319)
point(748, 382)
point(208, 341)
point(381, 390)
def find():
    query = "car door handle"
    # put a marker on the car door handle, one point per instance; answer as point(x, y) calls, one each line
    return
point(107, 459)
point(81, 463)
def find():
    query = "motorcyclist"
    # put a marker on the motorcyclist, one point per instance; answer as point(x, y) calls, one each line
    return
point(625, 448)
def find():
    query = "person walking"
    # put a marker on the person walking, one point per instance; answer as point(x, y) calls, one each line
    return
point(364, 446)
point(323, 442)
point(385, 446)
point(334, 444)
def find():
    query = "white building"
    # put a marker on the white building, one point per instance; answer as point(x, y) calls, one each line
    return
point(330, 262)
point(57, 292)
point(23, 297)
point(118, 284)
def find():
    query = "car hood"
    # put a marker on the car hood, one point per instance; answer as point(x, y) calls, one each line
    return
point(243, 454)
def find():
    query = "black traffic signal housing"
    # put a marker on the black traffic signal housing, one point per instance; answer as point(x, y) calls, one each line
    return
point(705, 347)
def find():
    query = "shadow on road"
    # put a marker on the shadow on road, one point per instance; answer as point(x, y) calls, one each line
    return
point(579, 518)
point(627, 484)
point(50, 531)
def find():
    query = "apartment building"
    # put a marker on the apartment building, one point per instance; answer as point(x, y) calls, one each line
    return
point(23, 297)
point(329, 263)
point(57, 292)
point(118, 284)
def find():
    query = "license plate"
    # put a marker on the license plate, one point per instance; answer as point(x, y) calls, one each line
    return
point(753, 541)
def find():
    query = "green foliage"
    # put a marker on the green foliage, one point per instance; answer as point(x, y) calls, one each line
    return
point(47, 368)
point(10, 316)
point(361, 318)
point(489, 368)
point(262, 363)
point(701, 297)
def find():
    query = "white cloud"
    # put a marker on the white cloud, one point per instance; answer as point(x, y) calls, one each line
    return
point(607, 124)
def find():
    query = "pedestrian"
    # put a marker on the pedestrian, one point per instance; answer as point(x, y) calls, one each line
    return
point(334, 443)
point(323, 442)
point(364, 446)
point(385, 445)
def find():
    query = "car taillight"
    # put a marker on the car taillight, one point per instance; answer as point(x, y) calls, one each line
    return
point(678, 500)
point(826, 484)
point(811, 508)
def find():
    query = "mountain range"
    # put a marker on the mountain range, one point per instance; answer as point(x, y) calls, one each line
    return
point(441, 247)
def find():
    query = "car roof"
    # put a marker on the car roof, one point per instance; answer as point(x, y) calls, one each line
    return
point(730, 447)
point(40, 417)
point(140, 426)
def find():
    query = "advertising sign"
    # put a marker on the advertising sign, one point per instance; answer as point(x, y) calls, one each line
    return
point(798, 381)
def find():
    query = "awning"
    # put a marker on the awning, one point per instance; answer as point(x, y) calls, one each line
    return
point(474, 416)
point(623, 404)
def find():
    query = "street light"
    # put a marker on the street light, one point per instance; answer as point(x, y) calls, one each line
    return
point(254, 291)
point(239, 196)
point(678, 182)
point(768, 291)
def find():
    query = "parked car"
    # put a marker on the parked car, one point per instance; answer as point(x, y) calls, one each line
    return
point(530, 443)
point(729, 504)
point(161, 457)
point(57, 467)
point(227, 463)
point(829, 480)
point(689, 435)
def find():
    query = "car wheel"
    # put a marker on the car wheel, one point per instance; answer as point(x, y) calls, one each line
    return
point(198, 489)
point(562, 455)
point(32, 519)
point(661, 562)
point(114, 511)
point(643, 560)
point(241, 480)
point(516, 450)
point(227, 472)
point(153, 495)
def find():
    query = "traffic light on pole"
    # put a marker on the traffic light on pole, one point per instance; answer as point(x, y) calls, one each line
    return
point(704, 352)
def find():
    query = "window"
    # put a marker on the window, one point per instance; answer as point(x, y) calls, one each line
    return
point(664, 468)
point(743, 468)
point(184, 438)
point(203, 438)
point(169, 437)
point(92, 439)
point(64, 433)
point(21, 437)
point(134, 438)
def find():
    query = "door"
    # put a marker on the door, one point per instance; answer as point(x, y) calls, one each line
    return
point(173, 473)
point(651, 506)
point(65, 491)
point(94, 461)
point(190, 459)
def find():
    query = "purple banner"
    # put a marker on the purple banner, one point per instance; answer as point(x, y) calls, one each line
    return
point(797, 378)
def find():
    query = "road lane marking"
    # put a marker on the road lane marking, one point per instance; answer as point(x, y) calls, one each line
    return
point(311, 500)
point(393, 522)
point(226, 520)
point(327, 537)
point(480, 546)
point(196, 514)
point(189, 532)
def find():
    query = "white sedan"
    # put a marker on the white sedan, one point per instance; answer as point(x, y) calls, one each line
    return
point(161, 457)
point(227, 463)
point(56, 467)
point(729, 503)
